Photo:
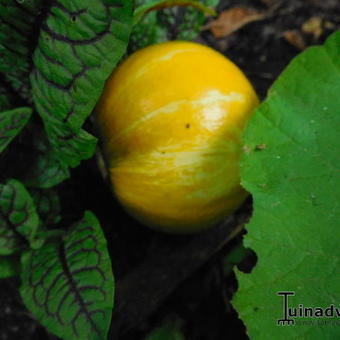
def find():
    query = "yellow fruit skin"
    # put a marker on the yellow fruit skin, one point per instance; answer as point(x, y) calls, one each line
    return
point(171, 118)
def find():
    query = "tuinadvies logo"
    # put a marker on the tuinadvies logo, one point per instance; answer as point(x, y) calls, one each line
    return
point(301, 311)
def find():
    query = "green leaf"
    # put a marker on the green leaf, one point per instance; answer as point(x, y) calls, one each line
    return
point(168, 331)
point(80, 43)
point(192, 21)
point(11, 123)
point(233, 258)
point(147, 32)
point(69, 146)
point(17, 20)
point(47, 204)
point(9, 266)
point(68, 285)
point(30, 159)
point(18, 218)
point(6, 98)
point(167, 24)
point(46, 170)
point(160, 4)
point(291, 167)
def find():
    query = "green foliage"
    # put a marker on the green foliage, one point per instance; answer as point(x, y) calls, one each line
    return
point(55, 59)
point(234, 257)
point(80, 43)
point(294, 178)
point(167, 24)
point(11, 123)
point(47, 204)
point(68, 284)
point(19, 220)
point(17, 30)
point(5, 98)
point(149, 6)
point(46, 170)
point(9, 266)
point(169, 331)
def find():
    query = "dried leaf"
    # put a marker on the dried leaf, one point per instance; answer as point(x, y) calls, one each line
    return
point(232, 20)
point(330, 25)
point(313, 26)
point(294, 38)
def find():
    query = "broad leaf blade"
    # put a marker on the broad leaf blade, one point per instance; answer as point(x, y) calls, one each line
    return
point(46, 170)
point(69, 146)
point(18, 218)
point(11, 123)
point(47, 204)
point(80, 43)
point(17, 30)
point(294, 178)
point(31, 159)
point(69, 285)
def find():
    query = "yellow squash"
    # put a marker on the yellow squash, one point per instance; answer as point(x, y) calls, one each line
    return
point(171, 118)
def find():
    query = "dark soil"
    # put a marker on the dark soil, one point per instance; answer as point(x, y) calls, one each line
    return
point(161, 276)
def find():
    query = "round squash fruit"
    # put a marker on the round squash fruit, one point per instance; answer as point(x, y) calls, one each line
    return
point(171, 117)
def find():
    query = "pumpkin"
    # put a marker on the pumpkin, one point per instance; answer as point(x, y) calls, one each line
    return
point(171, 118)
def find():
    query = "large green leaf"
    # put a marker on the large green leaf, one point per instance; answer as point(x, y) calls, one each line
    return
point(68, 285)
point(18, 218)
point(17, 31)
point(80, 43)
point(292, 168)
point(11, 123)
